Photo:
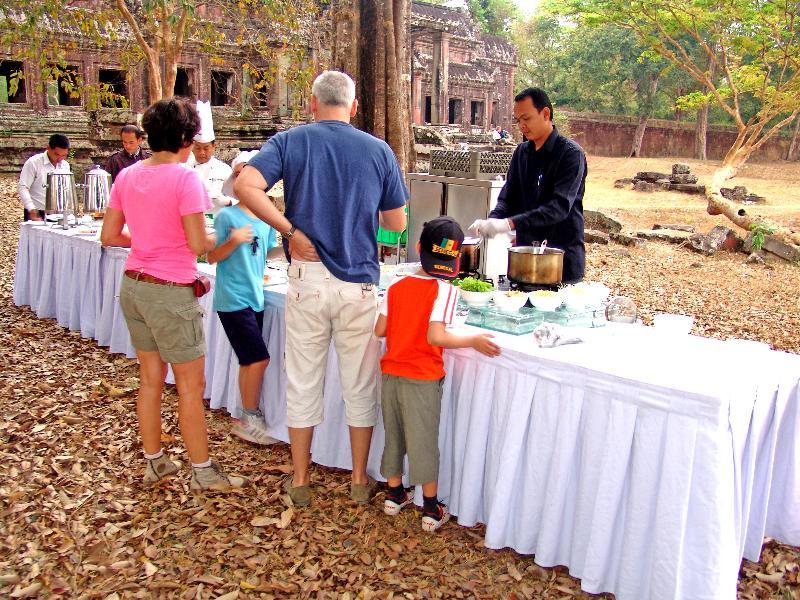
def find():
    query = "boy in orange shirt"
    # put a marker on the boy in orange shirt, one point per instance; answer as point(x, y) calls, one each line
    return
point(413, 317)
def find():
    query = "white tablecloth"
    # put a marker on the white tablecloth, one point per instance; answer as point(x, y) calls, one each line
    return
point(649, 465)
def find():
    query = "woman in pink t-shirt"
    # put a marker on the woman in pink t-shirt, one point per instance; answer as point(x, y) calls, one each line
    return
point(162, 204)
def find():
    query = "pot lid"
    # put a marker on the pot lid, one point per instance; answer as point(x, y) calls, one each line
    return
point(98, 170)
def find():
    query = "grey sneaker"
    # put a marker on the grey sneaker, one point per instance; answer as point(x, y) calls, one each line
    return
point(214, 479)
point(159, 468)
point(253, 429)
point(362, 493)
point(300, 495)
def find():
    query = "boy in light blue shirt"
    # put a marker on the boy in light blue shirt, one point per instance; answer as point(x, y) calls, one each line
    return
point(243, 241)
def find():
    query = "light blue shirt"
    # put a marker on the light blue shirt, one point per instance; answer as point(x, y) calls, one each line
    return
point(240, 277)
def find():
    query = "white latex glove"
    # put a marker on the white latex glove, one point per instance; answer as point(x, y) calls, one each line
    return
point(493, 227)
point(477, 227)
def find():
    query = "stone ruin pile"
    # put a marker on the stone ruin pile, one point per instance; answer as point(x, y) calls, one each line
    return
point(680, 180)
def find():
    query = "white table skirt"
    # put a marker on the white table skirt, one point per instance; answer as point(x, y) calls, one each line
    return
point(648, 465)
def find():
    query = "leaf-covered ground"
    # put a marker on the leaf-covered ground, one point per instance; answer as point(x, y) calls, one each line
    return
point(75, 521)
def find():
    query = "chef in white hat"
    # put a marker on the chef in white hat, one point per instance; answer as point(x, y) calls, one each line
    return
point(212, 171)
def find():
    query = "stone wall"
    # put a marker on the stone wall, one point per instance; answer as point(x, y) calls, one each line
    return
point(95, 134)
point(612, 135)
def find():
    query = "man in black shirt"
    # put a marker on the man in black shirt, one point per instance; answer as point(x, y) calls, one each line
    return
point(131, 152)
point(543, 194)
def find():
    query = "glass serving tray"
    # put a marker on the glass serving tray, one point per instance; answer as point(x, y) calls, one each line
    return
point(526, 319)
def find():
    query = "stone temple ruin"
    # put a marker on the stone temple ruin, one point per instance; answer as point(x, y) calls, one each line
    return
point(462, 80)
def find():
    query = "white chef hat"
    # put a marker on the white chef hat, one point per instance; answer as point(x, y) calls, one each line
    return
point(206, 133)
point(242, 157)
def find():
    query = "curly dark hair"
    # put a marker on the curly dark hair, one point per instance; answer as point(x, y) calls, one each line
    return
point(171, 124)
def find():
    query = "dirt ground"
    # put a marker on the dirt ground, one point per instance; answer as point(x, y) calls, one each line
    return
point(76, 523)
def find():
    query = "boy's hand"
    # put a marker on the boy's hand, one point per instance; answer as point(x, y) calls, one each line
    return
point(243, 235)
point(483, 344)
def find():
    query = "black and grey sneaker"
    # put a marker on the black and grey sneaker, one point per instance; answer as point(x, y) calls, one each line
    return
point(214, 479)
point(159, 468)
point(432, 521)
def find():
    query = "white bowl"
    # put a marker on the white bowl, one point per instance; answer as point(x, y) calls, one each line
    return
point(476, 299)
point(575, 298)
point(546, 303)
point(673, 324)
point(597, 292)
point(509, 303)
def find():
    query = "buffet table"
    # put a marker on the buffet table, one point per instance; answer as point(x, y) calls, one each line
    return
point(647, 464)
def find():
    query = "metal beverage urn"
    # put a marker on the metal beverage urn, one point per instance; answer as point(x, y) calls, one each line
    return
point(60, 196)
point(96, 191)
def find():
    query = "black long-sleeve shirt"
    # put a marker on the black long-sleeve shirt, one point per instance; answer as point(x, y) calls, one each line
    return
point(543, 196)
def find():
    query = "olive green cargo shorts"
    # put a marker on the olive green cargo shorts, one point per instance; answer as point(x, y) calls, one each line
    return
point(411, 410)
point(163, 318)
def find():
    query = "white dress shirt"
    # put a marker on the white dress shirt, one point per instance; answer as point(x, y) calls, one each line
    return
point(213, 174)
point(33, 178)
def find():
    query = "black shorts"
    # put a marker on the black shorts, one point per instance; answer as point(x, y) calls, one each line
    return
point(243, 328)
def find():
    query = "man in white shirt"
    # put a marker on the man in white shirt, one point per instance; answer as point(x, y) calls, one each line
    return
point(212, 171)
point(33, 178)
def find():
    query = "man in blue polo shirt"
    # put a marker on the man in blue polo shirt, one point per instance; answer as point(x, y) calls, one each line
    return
point(339, 184)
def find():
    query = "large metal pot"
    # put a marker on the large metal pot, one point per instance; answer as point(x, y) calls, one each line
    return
point(470, 260)
point(60, 194)
point(526, 266)
point(96, 190)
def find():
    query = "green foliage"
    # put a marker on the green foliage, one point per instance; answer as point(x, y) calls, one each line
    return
point(752, 45)
point(760, 231)
point(262, 32)
point(494, 16)
point(598, 69)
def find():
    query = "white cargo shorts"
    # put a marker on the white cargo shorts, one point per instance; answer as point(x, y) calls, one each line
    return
point(319, 309)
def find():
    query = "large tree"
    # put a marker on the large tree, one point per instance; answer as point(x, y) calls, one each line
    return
point(495, 17)
point(265, 33)
point(599, 69)
point(369, 43)
point(748, 64)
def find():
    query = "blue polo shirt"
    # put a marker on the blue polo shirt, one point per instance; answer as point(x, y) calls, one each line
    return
point(240, 277)
point(336, 179)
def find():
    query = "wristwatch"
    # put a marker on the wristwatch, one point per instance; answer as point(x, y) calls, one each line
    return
point(289, 233)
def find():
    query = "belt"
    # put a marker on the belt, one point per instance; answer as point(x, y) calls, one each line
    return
point(139, 276)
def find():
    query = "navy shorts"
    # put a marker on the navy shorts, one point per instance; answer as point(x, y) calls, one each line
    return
point(243, 328)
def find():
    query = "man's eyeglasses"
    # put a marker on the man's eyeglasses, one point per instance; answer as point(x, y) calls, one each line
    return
point(254, 244)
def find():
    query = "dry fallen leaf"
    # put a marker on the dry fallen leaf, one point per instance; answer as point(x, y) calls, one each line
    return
point(286, 518)
point(264, 521)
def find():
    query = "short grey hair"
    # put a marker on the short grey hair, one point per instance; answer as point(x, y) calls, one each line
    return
point(334, 88)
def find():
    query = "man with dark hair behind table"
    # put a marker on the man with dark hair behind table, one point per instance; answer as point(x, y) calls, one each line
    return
point(33, 178)
point(131, 153)
point(542, 198)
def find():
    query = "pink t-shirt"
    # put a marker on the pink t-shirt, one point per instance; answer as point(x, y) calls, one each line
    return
point(153, 200)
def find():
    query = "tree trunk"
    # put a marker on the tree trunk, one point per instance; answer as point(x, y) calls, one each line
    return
point(647, 110)
point(736, 213)
point(793, 144)
point(370, 45)
point(701, 127)
point(701, 134)
point(638, 136)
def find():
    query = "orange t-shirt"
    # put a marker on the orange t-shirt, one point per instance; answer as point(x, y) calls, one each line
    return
point(410, 305)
